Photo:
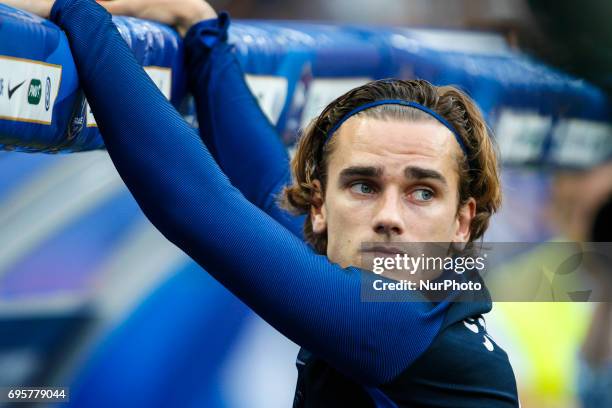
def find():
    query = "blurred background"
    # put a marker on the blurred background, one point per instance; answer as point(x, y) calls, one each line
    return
point(94, 298)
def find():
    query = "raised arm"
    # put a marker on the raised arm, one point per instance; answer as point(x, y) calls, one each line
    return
point(181, 189)
point(237, 133)
point(232, 125)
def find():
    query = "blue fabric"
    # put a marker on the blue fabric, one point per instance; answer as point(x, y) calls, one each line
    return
point(380, 398)
point(237, 133)
point(183, 192)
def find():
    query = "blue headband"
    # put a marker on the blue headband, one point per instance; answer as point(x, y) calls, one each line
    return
point(398, 102)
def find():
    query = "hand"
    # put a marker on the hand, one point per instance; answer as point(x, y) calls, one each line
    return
point(181, 14)
point(41, 8)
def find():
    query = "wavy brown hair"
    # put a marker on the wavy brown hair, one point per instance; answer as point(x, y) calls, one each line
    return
point(478, 172)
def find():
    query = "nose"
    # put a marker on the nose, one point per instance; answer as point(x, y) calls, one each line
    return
point(388, 216)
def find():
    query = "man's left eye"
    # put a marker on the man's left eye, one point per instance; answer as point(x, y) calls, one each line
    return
point(422, 194)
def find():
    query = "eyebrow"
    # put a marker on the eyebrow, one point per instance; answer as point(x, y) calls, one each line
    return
point(359, 171)
point(420, 173)
point(410, 172)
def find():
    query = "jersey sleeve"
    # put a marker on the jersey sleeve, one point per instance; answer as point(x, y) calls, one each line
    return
point(232, 125)
point(182, 191)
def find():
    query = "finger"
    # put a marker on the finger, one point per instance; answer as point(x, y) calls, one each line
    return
point(118, 7)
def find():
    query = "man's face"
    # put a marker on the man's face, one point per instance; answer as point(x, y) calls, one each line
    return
point(391, 181)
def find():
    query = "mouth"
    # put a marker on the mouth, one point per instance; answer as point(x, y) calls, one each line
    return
point(383, 250)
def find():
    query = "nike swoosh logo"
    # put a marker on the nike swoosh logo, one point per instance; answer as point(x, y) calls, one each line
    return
point(11, 91)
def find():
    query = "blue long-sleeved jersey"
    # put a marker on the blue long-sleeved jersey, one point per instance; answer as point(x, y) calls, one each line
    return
point(390, 352)
point(232, 125)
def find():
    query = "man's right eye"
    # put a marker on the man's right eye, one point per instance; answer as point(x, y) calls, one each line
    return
point(362, 188)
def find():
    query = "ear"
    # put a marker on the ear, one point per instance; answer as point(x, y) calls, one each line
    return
point(318, 214)
point(465, 215)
